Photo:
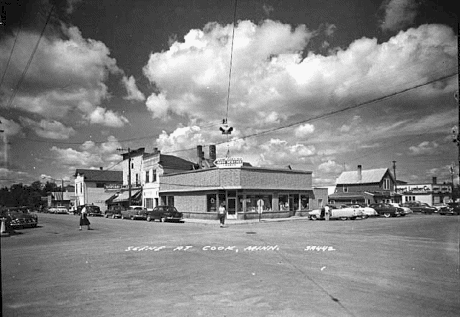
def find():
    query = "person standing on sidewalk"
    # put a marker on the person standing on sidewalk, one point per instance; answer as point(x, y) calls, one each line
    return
point(222, 213)
point(84, 221)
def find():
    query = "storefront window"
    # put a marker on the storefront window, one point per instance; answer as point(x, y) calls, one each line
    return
point(254, 202)
point(304, 202)
point(212, 203)
point(283, 202)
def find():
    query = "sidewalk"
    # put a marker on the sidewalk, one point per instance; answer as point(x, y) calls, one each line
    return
point(241, 222)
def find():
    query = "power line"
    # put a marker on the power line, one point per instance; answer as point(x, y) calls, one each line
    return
point(21, 79)
point(11, 53)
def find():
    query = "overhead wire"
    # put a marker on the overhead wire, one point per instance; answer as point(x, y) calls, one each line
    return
point(11, 53)
point(23, 75)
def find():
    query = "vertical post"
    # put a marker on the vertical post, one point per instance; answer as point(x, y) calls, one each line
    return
point(129, 177)
point(396, 182)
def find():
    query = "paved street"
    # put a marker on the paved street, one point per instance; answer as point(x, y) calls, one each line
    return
point(375, 267)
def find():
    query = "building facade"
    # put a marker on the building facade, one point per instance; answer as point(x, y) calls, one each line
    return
point(430, 193)
point(94, 187)
point(246, 191)
point(154, 166)
point(365, 187)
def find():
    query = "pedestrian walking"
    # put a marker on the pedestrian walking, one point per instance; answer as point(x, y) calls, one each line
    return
point(222, 213)
point(327, 212)
point(84, 221)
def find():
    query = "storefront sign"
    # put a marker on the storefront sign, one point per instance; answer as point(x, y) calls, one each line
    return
point(112, 186)
point(227, 162)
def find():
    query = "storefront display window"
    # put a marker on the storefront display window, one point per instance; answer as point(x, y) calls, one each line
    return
point(283, 202)
point(256, 202)
point(304, 202)
point(212, 203)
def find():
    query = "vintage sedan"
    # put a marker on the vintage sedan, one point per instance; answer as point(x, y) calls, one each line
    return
point(453, 209)
point(367, 211)
point(407, 210)
point(163, 213)
point(417, 206)
point(340, 213)
point(18, 217)
point(113, 212)
point(134, 213)
point(58, 210)
point(387, 210)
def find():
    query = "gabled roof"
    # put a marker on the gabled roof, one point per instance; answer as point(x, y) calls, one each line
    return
point(100, 175)
point(367, 176)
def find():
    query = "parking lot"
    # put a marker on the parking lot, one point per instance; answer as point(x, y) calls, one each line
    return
point(405, 266)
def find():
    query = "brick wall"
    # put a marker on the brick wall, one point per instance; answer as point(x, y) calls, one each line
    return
point(246, 178)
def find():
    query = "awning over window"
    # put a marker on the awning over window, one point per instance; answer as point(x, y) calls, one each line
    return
point(123, 197)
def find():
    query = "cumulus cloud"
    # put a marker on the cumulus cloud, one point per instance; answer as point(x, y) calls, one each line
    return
point(133, 92)
point(68, 74)
point(398, 14)
point(88, 155)
point(281, 153)
point(49, 129)
point(9, 127)
point(269, 72)
point(304, 130)
point(330, 167)
point(424, 148)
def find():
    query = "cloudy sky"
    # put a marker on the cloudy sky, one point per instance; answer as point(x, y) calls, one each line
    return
point(319, 85)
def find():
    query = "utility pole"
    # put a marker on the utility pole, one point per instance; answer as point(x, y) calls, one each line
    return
point(129, 173)
point(394, 174)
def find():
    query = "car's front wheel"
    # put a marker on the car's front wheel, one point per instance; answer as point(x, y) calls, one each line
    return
point(313, 217)
point(343, 218)
point(364, 216)
point(149, 219)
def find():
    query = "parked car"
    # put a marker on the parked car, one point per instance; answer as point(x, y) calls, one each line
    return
point(453, 209)
point(420, 207)
point(91, 210)
point(367, 211)
point(337, 213)
point(163, 213)
point(134, 213)
point(58, 210)
point(18, 217)
point(113, 212)
point(387, 210)
point(407, 210)
point(441, 207)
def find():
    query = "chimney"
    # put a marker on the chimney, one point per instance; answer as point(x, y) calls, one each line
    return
point(200, 154)
point(360, 173)
point(212, 152)
point(435, 180)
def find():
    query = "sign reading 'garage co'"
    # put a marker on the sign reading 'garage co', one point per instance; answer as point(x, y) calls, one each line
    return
point(227, 162)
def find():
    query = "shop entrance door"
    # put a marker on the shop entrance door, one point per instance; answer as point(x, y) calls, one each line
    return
point(231, 208)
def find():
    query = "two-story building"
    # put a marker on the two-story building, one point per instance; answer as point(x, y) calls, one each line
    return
point(154, 166)
point(94, 186)
point(365, 187)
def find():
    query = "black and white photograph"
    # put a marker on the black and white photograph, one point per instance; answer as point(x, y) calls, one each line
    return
point(229, 158)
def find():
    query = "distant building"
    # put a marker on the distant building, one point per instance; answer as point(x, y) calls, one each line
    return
point(154, 166)
point(430, 193)
point(365, 187)
point(64, 198)
point(94, 187)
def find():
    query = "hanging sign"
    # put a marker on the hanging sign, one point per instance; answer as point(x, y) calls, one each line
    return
point(227, 162)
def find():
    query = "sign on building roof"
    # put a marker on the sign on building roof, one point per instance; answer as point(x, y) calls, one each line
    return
point(227, 162)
